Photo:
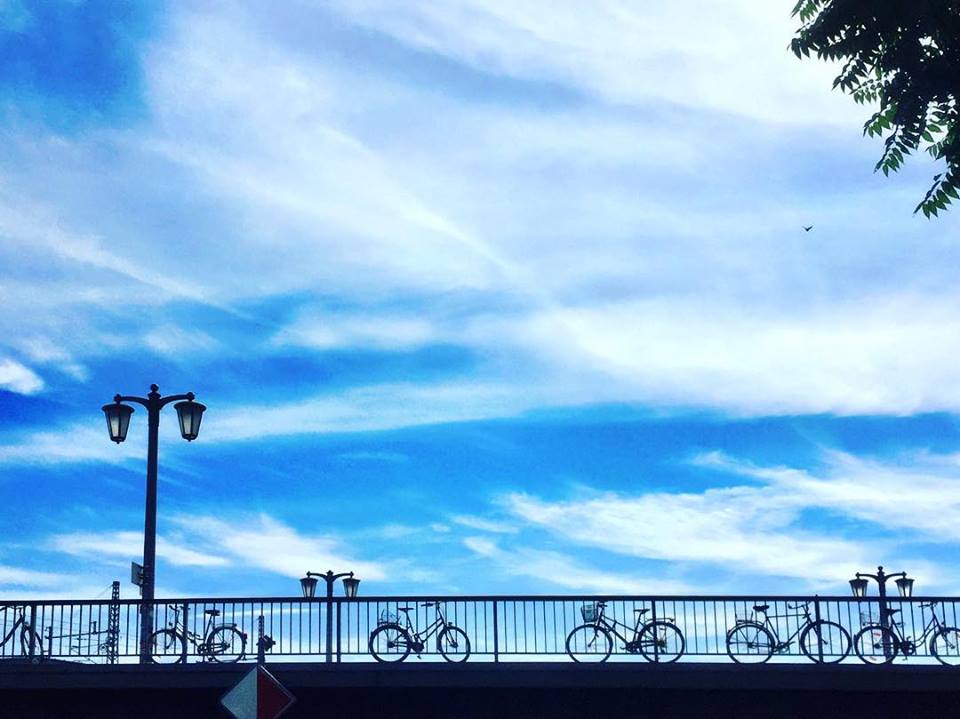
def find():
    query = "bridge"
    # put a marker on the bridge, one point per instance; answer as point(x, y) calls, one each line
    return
point(470, 656)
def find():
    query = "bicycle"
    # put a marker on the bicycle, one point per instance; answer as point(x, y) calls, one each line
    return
point(28, 635)
point(658, 640)
point(878, 644)
point(394, 639)
point(751, 641)
point(222, 643)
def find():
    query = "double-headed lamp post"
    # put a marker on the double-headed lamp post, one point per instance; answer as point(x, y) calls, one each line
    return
point(904, 586)
point(118, 420)
point(309, 586)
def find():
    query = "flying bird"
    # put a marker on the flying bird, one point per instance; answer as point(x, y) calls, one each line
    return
point(807, 229)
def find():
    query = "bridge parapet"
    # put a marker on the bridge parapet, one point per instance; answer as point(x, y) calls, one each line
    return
point(746, 629)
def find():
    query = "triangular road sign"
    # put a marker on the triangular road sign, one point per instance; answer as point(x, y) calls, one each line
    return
point(257, 696)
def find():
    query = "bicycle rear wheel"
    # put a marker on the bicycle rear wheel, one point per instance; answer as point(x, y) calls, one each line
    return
point(825, 642)
point(750, 643)
point(454, 644)
point(166, 647)
point(389, 643)
point(875, 645)
point(945, 646)
point(226, 645)
point(661, 641)
point(589, 643)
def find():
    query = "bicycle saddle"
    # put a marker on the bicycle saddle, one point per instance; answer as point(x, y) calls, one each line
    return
point(405, 609)
point(891, 611)
point(212, 612)
point(428, 604)
point(761, 607)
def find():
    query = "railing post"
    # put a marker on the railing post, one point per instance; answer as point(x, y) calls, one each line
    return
point(496, 635)
point(33, 633)
point(816, 612)
point(653, 626)
point(186, 617)
point(50, 641)
point(339, 610)
point(260, 648)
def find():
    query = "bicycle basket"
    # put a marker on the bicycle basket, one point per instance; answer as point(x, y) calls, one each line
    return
point(388, 617)
point(589, 612)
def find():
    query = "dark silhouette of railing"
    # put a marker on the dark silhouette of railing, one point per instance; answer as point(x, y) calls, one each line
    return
point(500, 629)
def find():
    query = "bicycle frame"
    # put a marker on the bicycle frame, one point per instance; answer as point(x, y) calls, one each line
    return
point(771, 627)
point(421, 637)
point(909, 643)
point(611, 626)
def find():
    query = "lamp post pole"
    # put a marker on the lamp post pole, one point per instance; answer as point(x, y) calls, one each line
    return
point(350, 586)
point(904, 586)
point(118, 418)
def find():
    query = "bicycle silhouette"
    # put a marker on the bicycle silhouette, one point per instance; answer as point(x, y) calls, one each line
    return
point(754, 642)
point(27, 633)
point(394, 639)
point(878, 644)
point(222, 643)
point(657, 640)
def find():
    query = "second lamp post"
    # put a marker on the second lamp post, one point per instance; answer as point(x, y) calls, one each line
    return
point(904, 586)
point(309, 586)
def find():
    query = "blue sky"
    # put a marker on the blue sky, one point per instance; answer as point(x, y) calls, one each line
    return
point(482, 296)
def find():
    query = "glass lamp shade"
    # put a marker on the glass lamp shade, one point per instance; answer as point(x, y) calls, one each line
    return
point(309, 587)
point(858, 587)
point(905, 587)
point(189, 413)
point(350, 586)
point(118, 420)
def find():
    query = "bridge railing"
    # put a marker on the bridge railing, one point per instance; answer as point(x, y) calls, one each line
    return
point(498, 628)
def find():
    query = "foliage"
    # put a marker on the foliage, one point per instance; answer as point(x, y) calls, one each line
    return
point(904, 54)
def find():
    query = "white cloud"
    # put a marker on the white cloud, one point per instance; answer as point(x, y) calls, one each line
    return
point(179, 342)
point(741, 528)
point(483, 524)
point(19, 577)
point(561, 570)
point(759, 528)
point(917, 494)
point(262, 542)
point(129, 545)
point(344, 330)
point(696, 54)
point(18, 378)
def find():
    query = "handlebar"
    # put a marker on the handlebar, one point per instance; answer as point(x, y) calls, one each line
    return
point(801, 605)
point(929, 605)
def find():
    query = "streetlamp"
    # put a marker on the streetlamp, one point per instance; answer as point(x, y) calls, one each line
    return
point(904, 587)
point(309, 587)
point(189, 414)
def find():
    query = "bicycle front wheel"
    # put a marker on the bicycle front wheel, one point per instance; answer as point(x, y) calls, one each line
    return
point(226, 645)
point(389, 643)
point(750, 643)
point(166, 647)
point(661, 641)
point(876, 645)
point(454, 644)
point(589, 643)
point(825, 642)
point(25, 643)
point(945, 646)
